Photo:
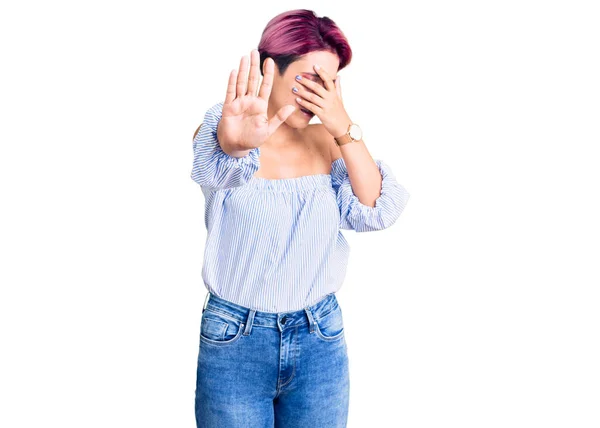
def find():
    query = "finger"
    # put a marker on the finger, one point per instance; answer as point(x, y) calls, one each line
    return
point(254, 71)
point(312, 97)
point(280, 117)
point(242, 76)
point(230, 95)
point(338, 86)
point(313, 86)
point(267, 82)
point(324, 77)
point(309, 106)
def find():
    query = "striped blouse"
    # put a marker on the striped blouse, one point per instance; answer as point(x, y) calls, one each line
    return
point(275, 245)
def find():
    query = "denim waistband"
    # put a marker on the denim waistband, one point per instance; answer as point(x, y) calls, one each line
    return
point(281, 320)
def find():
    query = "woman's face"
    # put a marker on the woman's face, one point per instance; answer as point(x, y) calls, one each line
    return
point(282, 94)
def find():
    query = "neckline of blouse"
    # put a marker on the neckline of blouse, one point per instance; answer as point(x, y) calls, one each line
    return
point(295, 183)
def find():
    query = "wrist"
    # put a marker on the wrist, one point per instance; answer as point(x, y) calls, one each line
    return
point(342, 129)
point(231, 149)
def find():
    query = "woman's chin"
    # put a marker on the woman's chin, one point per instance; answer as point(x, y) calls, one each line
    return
point(301, 120)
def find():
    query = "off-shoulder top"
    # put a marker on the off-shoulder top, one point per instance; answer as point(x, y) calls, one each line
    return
point(276, 245)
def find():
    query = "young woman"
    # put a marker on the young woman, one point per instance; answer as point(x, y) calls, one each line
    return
point(278, 193)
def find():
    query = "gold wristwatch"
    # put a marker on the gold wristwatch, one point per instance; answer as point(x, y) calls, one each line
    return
point(353, 134)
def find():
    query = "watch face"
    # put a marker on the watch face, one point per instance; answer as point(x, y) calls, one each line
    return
point(355, 132)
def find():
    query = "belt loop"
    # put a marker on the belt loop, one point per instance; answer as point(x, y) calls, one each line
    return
point(311, 320)
point(249, 322)
point(205, 301)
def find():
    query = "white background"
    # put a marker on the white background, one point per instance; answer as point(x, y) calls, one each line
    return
point(478, 308)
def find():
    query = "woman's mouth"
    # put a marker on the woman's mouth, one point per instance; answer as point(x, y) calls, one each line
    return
point(307, 112)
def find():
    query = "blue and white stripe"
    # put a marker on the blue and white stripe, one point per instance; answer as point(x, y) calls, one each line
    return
point(275, 245)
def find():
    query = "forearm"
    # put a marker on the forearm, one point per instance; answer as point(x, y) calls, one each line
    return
point(363, 172)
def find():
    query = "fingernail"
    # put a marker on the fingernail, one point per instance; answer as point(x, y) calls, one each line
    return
point(294, 89)
point(317, 67)
point(298, 77)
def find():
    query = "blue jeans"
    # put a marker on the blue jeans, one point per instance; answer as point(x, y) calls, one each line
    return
point(264, 369)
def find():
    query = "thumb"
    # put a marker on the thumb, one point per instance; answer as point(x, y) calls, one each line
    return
point(282, 114)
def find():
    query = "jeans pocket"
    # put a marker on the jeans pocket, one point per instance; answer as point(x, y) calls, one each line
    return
point(219, 328)
point(330, 326)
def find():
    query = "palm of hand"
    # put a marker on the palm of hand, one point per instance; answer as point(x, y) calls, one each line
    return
point(245, 118)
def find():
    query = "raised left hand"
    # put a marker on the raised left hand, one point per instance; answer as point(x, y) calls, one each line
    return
point(325, 102)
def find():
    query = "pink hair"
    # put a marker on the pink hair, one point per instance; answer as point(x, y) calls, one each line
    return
point(294, 33)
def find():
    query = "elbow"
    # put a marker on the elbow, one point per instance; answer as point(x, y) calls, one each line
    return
point(386, 211)
point(373, 224)
point(204, 173)
point(201, 178)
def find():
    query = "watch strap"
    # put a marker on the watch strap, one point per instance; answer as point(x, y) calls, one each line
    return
point(344, 139)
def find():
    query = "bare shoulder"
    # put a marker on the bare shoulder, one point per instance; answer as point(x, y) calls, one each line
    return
point(326, 142)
